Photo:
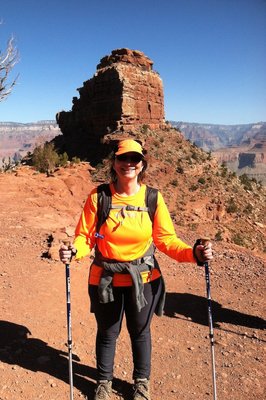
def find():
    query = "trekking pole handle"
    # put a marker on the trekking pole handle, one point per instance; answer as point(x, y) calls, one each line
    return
point(68, 244)
point(204, 240)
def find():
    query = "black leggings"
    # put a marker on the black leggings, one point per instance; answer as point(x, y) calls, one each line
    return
point(109, 318)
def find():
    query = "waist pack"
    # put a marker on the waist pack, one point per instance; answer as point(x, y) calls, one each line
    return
point(134, 268)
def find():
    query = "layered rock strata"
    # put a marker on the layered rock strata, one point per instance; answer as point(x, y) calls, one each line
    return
point(123, 95)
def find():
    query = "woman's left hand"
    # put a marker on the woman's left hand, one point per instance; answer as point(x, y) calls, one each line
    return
point(203, 252)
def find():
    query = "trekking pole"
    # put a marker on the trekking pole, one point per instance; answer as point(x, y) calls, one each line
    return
point(69, 326)
point(208, 290)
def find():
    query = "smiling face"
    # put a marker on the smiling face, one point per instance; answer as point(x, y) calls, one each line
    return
point(128, 166)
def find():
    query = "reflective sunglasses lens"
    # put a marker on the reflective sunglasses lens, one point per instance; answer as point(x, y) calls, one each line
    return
point(135, 159)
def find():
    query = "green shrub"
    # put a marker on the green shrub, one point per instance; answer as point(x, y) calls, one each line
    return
point(75, 160)
point(195, 156)
point(144, 128)
point(238, 239)
point(248, 209)
point(192, 188)
point(231, 206)
point(218, 236)
point(179, 169)
point(45, 158)
point(174, 182)
point(202, 181)
point(246, 182)
point(193, 226)
point(63, 159)
point(224, 170)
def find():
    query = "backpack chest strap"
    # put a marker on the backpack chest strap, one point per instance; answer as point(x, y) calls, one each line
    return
point(129, 208)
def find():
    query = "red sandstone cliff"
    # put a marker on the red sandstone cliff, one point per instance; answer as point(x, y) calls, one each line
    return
point(123, 95)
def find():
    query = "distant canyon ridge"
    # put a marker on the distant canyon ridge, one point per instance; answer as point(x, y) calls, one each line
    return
point(125, 97)
point(242, 148)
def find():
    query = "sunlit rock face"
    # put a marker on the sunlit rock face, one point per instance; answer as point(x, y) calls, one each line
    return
point(124, 94)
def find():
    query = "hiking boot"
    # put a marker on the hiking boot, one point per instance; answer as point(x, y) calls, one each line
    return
point(103, 390)
point(141, 389)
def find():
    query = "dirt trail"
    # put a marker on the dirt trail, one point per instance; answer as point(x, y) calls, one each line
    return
point(33, 352)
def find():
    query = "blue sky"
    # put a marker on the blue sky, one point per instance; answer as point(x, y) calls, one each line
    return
point(210, 54)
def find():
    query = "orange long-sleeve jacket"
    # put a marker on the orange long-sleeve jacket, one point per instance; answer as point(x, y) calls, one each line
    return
point(127, 235)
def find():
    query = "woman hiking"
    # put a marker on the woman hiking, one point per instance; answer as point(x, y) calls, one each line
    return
point(125, 278)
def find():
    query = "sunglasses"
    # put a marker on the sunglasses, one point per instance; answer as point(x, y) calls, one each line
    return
point(136, 158)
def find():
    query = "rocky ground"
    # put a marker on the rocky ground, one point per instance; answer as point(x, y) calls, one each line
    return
point(36, 212)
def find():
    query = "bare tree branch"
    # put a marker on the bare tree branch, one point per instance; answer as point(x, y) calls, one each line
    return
point(8, 60)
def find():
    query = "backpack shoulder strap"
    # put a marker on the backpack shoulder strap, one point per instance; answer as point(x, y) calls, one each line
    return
point(104, 203)
point(104, 200)
point(151, 198)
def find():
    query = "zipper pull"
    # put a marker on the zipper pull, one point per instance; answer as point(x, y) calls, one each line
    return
point(98, 235)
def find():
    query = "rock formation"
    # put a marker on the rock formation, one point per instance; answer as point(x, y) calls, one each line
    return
point(123, 95)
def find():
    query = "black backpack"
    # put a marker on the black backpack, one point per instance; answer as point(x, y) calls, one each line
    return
point(104, 204)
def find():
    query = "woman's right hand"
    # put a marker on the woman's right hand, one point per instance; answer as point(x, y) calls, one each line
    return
point(66, 253)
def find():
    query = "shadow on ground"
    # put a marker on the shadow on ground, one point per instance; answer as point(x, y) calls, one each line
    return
point(17, 347)
point(195, 308)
